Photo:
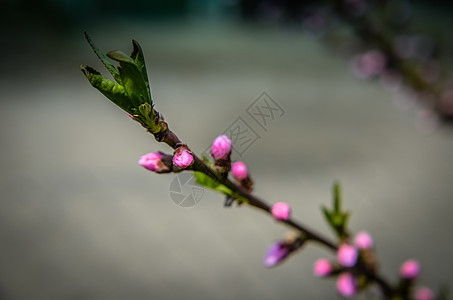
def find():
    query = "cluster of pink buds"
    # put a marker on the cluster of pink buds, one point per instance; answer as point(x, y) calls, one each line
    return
point(347, 257)
point(409, 271)
point(160, 162)
point(346, 283)
point(221, 152)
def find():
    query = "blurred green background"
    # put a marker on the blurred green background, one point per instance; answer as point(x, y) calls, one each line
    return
point(80, 219)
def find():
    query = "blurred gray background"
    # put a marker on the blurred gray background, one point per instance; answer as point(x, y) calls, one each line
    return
point(80, 219)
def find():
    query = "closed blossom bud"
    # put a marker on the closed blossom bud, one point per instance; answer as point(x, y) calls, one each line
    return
point(221, 147)
point(182, 157)
point(279, 251)
point(322, 267)
point(221, 151)
point(363, 240)
point(239, 170)
point(281, 211)
point(276, 254)
point(424, 293)
point(410, 269)
point(156, 162)
point(347, 255)
point(347, 285)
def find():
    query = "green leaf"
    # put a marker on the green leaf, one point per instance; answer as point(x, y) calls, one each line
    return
point(112, 90)
point(137, 56)
point(131, 78)
point(342, 225)
point(206, 181)
point(337, 219)
point(104, 59)
point(120, 56)
point(149, 118)
point(346, 216)
point(327, 215)
point(337, 198)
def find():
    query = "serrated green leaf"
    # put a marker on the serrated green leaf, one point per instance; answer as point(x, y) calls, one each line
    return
point(112, 90)
point(131, 78)
point(138, 57)
point(110, 67)
point(206, 181)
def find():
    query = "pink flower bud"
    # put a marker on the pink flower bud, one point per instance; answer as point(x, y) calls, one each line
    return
point(363, 240)
point(424, 293)
point(239, 170)
point(410, 269)
point(182, 158)
point(281, 211)
point(221, 147)
point(346, 285)
point(347, 255)
point(152, 161)
point(276, 254)
point(322, 267)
